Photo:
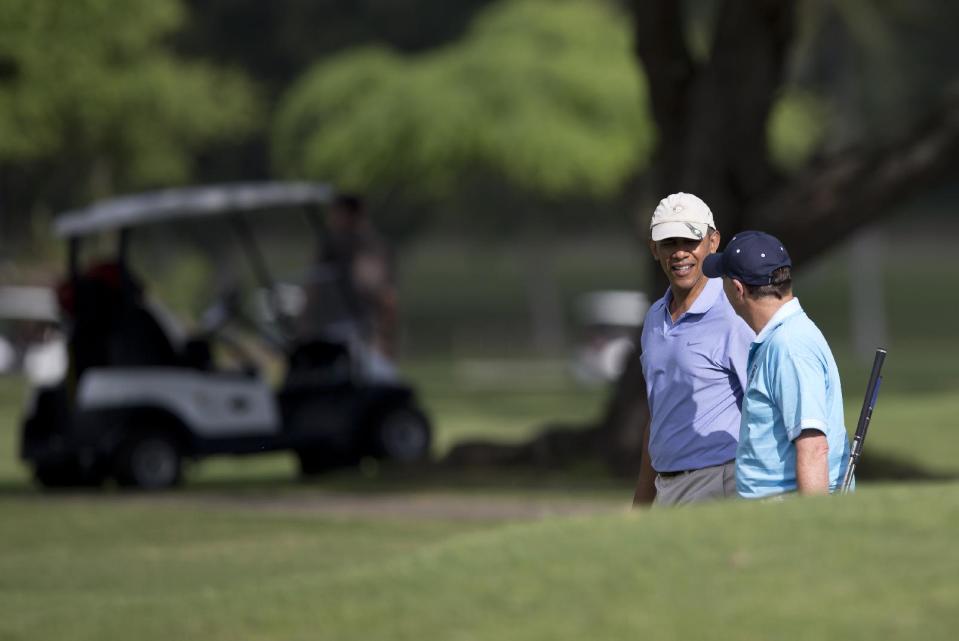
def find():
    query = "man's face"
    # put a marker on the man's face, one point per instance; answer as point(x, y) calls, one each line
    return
point(682, 258)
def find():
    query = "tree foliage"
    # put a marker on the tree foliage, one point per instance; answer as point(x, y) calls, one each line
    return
point(796, 128)
point(90, 87)
point(276, 41)
point(542, 94)
point(714, 112)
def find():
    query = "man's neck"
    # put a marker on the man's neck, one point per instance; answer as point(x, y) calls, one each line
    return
point(761, 311)
point(683, 299)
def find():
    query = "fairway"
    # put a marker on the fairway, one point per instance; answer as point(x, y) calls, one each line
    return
point(245, 551)
point(367, 321)
point(879, 564)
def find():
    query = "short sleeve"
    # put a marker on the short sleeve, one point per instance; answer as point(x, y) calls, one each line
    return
point(798, 389)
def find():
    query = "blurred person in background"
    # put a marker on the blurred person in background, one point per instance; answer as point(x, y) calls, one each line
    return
point(351, 295)
point(694, 350)
point(793, 435)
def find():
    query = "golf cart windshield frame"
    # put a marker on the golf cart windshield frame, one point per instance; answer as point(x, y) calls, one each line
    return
point(230, 201)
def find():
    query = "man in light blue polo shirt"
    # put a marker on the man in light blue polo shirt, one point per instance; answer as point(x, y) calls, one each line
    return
point(694, 360)
point(793, 436)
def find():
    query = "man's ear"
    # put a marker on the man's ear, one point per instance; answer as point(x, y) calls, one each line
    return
point(714, 239)
point(652, 249)
point(740, 289)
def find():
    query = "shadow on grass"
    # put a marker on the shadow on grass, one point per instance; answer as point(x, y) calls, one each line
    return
point(588, 476)
point(881, 466)
point(582, 480)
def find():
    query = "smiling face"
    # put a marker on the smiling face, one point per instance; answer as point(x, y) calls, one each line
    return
point(682, 260)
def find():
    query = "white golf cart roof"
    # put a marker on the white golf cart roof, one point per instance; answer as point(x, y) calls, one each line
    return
point(189, 202)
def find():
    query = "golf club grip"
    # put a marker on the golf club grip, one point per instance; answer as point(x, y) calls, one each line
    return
point(865, 416)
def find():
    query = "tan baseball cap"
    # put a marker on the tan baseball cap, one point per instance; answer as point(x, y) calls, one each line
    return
point(681, 215)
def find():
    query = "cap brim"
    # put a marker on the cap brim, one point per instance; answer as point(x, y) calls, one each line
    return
point(675, 229)
point(713, 266)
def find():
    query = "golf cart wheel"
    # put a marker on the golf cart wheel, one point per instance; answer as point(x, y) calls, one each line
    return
point(403, 435)
point(149, 461)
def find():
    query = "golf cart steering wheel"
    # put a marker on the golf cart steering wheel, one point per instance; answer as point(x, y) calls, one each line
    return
point(215, 322)
point(220, 312)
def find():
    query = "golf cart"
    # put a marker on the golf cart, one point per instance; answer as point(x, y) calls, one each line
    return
point(138, 397)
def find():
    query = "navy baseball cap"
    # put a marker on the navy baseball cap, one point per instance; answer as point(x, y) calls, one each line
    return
point(750, 257)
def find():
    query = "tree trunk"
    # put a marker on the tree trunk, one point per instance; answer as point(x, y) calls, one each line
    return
point(713, 143)
point(712, 119)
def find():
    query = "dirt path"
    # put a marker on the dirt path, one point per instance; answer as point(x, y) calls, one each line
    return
point(413, 505)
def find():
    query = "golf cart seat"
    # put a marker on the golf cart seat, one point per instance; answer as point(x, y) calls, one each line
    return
point(112, 324)
point(139, 340)
point(197, 354)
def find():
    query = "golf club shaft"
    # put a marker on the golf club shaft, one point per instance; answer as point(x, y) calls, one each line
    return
point(865, 416)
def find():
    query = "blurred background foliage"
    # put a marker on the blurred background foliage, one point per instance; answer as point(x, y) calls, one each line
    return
point(506, 146)
point(543, 94)
point(93, 101)
point(439, 110)
point(512, 130)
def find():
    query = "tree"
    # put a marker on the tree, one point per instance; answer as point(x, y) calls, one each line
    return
point(92, 101)
point(275, 42)
point(539, 96)
point(712, 114)
point(728, 82)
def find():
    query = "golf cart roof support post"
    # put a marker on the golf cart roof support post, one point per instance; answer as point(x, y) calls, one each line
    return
point(73, 259)
point(73, 275)
point(123, 247)
point(258, 263)
point(260, 270)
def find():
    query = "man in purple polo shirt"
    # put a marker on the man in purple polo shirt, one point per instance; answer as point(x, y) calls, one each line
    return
point(694, 350)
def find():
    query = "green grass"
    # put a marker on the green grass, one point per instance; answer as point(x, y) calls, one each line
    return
point(233, 555)
point(810, 570)
point(504, 400)
point(12, 398)
point(879, 564)
point(915, 414)
point(919, 428)
point(83, 568)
